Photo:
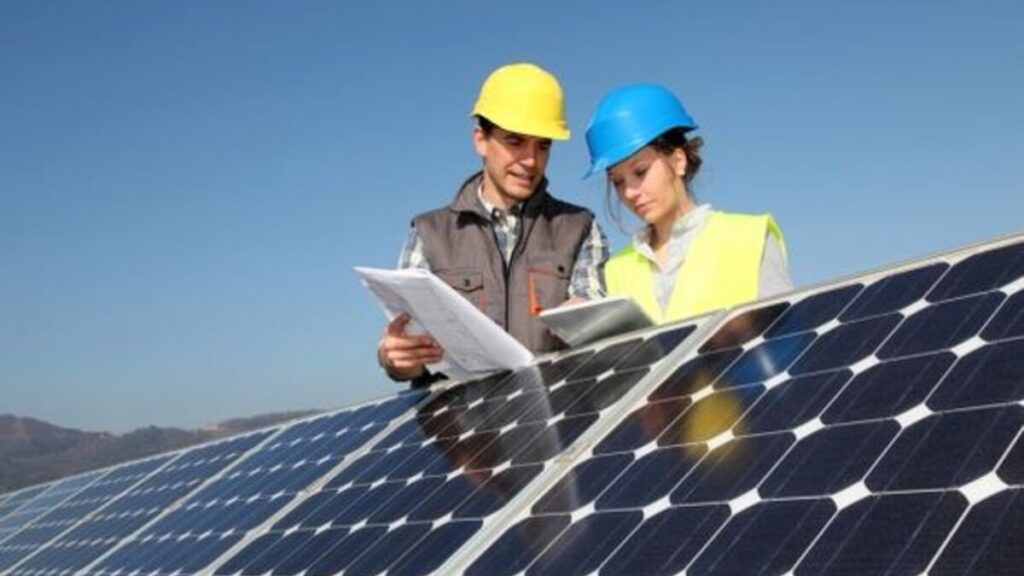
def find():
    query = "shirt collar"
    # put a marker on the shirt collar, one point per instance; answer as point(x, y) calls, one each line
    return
point(493, 210)
point(681, 227)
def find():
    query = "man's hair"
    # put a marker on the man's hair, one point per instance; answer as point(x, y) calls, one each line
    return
point(486, 125)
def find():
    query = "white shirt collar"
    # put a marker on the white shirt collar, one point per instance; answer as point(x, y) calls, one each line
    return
point(491, 208)
point(680, 228)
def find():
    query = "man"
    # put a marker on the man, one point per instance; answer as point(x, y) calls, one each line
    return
point(504, 242)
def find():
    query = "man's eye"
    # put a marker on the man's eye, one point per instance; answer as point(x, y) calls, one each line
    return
point(640, 172)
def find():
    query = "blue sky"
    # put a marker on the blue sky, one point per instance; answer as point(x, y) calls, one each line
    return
point(185, 186)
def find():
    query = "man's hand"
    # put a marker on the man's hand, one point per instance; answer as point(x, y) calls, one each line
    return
point(403, 356)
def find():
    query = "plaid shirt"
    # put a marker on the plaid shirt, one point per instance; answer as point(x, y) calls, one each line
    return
point(587, 279)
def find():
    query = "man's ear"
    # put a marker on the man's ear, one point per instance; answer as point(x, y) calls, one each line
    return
point(480, 141)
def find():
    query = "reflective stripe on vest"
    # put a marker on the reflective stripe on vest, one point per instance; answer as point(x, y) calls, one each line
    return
point(722, 268)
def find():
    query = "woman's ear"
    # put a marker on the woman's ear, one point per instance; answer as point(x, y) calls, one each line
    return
point(678, 160)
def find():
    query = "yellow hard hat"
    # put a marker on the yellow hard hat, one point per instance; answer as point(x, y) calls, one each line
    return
point(524, 98)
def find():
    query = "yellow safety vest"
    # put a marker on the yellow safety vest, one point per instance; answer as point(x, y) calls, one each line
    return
point(722, 268)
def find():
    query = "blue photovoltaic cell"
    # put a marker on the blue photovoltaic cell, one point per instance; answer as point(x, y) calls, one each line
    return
point(122, 516)
point(813, 311)
point(990, 539)
point(893, 293)
point(212, 520)
point(74, 509)
point(421, 492)
point(870, 427)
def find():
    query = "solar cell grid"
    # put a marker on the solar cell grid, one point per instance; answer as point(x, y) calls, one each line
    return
point(18, 499)
point(432, 483)
point(42, 503)
point(856, 428)
point(21, 531)
point(219, 515)
point(154, 486)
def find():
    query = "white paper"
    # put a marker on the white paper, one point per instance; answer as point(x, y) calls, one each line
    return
point(473, 344)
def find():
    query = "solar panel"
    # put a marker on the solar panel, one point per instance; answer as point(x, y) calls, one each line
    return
point(109, 484)
point(870, 425)
point(164, 481)
point(12, 546)
point(221, 513)
point(437, 478)
point(18, 499)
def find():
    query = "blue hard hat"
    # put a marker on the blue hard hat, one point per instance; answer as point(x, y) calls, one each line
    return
point(629, 118)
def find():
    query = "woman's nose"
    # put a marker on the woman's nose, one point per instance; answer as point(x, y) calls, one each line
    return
point(631, 192)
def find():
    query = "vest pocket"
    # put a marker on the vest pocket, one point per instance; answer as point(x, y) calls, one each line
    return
point(467, 282)
point(548, 283)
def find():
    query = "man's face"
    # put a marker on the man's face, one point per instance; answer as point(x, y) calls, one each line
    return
point(513, 164)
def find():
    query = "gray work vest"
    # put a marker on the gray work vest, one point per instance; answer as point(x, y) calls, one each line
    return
point(460, 247)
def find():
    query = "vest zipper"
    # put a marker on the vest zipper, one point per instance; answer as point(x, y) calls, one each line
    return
point(506, 266)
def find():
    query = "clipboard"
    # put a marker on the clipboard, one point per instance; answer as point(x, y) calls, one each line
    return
point(586, 322)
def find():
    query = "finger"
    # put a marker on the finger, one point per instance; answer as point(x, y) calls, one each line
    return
point(423, 355)
point(410, 366)
point(409, 342)
point(397, 326)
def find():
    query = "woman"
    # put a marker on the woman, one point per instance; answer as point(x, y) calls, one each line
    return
point(687, 259)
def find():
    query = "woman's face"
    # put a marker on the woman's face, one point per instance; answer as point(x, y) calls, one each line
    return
point(650, 184)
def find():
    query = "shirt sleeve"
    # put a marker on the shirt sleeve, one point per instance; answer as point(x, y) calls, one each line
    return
point(587, 280)
point(774, 270)
point(412, 252)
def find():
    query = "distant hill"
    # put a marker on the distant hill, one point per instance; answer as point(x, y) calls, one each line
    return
point(33, 451)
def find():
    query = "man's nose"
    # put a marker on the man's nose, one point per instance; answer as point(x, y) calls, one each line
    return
point(531, 152)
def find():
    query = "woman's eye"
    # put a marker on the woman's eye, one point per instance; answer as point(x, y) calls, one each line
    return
point(640, 172)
